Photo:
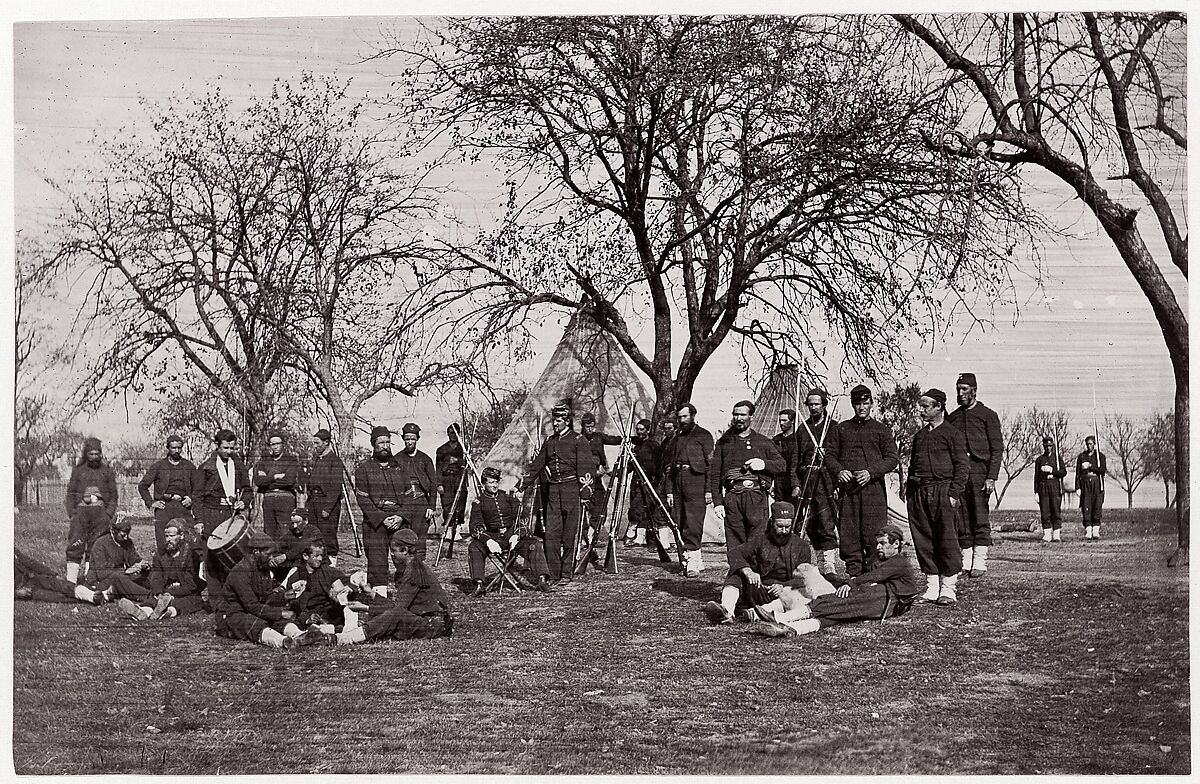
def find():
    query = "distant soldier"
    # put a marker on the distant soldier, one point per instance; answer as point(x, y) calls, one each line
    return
point(420, 483)
point(450, 464)
point(278, 478)
point(863, 454)
point(785, 442)
point(980, 425)
point(326, 485)
point(166, 489)
point(1048, 473)
point(937, 474)
point(1090, 468)
point(687, 467)
point(744, 461)
point(494, 529)
point(815, 484)
point(557, 467)
point(597, 466)
point(91, 503)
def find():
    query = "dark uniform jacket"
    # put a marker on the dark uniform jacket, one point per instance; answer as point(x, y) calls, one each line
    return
point(981, 426)
point(282, 473)
point(109, 558)
point(562, 458)
point(773, 558)
point(647, 452)
point(208, 488)
point(177, 572)
point(495, 517)
point(690, 451)
point(315, 596)
point(254, 591)
point(786, 444)
point(379, 488)
point(806, 450)
point(168, 480)
point(416, 477)
point(293, 546)
point(417, 590)
point(84, 476)
point(597, 456)
point(1054, 478)
point(731, 452)
point(863, 445)
point(326, 476)
point(1098, 467)
point(450, 464)
point(940, 454)
point(896, 572)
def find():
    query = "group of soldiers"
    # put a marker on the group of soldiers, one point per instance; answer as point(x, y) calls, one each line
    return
point(281, 586)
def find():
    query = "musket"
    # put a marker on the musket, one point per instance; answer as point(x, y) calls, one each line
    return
point(818, 462)
point(609, 515)
point(353, 525)
point(451, 532)
point(662, 552)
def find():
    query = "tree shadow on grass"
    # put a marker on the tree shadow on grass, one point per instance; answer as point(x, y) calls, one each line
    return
point(684, 588)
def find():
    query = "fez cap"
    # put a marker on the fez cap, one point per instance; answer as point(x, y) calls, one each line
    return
point(410, 427)
point(406, 536)
point(1047, 441)
point(260, 541)
point(892, 531)
point(122, 524)
point(967, 378)
point(276, 434)
point(860, 394)
point(379, 431)
point(300, 511)
point(587, 419)
point(174, 438)
point(182, 523)
point(935, 394)
point(323, 434)
point(782, 510)
point(90, 443)
point(491, 472)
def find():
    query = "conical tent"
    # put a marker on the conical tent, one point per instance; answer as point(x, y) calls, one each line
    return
point(778, 393)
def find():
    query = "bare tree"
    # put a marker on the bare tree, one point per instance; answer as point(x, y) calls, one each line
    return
point(1081, 96)
point(763, 178)
point(1018, 433)
point(1123, 439)
point(898, 410)
point(1158, 451)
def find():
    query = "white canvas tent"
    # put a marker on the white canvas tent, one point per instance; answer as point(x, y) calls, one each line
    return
point(778, 393)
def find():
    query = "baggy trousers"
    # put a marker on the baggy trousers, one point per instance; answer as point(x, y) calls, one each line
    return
point(328, 526)
point(1050, 504)
point(974, 529)
point(746, 511)
point(1091, 499)
point(688, 510)
point(863, 514)
point(935, 539)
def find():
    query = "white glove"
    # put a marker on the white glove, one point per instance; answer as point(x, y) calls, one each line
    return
point(1046, 469)
point(1086, 464)
point(756, 464)
point(512, 541)
point(494, 547)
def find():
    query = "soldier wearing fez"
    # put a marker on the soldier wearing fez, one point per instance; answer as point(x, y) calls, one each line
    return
point(326, 486)
point(980, 426)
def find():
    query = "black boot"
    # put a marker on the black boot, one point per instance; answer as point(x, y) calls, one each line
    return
point(479, 589)
point(543, 584)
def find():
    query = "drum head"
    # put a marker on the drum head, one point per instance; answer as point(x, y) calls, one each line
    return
point(228, 532)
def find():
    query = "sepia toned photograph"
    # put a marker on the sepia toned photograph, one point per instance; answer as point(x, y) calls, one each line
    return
point(629, 394)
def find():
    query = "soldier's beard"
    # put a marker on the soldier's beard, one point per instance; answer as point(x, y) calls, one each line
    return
point(95, 463)
point(383, 454)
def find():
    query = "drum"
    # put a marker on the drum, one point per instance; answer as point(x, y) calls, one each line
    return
point(227, 541)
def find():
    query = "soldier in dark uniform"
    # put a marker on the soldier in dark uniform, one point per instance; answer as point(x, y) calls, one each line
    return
point(597, 466)
point(33, 580)
point(815, 483)
point(315, 584)
point(254, 606)
point(785, 442)
point(91, 503)
point(645, 514)
point(985, 447)
point(120, 573)
point(326, 484)
point(379, 487)
point(1090, 468)
point(937, 475)
point(222, 489)
point(278, 478)
point(557, 468)
point(299, 536)
point(686, 471)
point(1048, 473)
point(416, 472)
point(450, 464)
point(173, 574)
point(740, 473)
point(494, 529)
point(664, 482)
point(863, 454)
point(166, 489)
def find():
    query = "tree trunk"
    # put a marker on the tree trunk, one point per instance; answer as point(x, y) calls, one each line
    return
point(19, 491)
point(1183, 492)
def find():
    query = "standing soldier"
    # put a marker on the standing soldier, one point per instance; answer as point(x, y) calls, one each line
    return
point(686, 470)
point(326, 484)
point(785, 442)
point(644, 512)
point(450, 464)
point(1048, 473)
point(814, 482)
point(557, 467)
point(985, 445)
point(171, 497)
point(420, 485)
point(1090, 468)
point(597, 466)
point(663, 480)
point(937, 475)
point(739, 477)
point(91, 503)
point(278, 478)
point(379, 487)
point(222, 489)
point(862, 456)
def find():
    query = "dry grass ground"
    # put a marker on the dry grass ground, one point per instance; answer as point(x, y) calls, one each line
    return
point(1068, 659)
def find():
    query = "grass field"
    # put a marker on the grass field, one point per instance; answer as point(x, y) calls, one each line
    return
point(1067, 659)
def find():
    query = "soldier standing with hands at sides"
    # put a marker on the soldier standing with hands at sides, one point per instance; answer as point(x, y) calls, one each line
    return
point(937, 475)
point(379, 487)
point(785, 442)
point(814, 480)
point(91, 503)
point(450, 464)
point(420, 485)
point(862, 456)
point(557, 466)
point(278, 477)
point(1048, 473)
point(980, 425)
point(743, 464)
point(687, 467)
point(171, 498)
point(1090, 468)
point(326, 483)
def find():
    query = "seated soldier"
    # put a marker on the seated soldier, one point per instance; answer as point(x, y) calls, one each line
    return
point(767, 559)
point(119, 573)
point(494, 530)
point(418, 607)
point(321, 591)
point(33, 580)
point(89, 522)
point(253, 606)
point(886, 590)
point(173, 574)
point(293, 541)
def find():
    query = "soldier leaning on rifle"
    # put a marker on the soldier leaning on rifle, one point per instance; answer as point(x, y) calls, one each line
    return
point(980, 426)
point(743, 464)
point(494, 530)
point(557, 469)
point(278, 477)
point(91, 503)
point(325, 483)
point(937, 474)
point(171, 497)
point(785, 442)
point(646, 517)
point(815, 480)
point(450, 466)
point(863, 454)
point(688, 494)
